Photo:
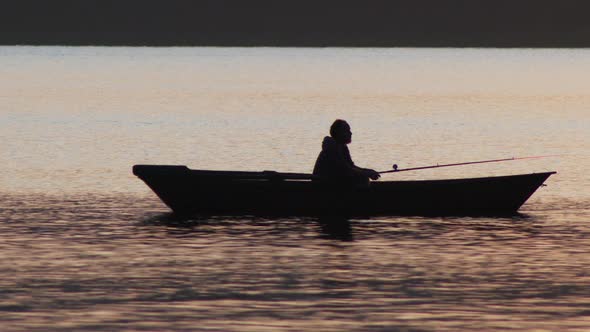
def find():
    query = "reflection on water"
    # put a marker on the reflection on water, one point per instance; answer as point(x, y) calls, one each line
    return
point(105, 263)
point(337, 228)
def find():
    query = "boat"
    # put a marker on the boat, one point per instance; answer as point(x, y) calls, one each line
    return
point(269, 193)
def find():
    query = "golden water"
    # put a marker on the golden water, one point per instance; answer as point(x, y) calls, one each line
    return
point(86, 246)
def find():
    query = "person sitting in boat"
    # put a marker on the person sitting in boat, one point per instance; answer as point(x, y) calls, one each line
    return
point(334, 163)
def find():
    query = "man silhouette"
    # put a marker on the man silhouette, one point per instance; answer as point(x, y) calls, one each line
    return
point(334, 163)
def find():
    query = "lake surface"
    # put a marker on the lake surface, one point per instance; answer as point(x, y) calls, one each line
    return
point(85, 246)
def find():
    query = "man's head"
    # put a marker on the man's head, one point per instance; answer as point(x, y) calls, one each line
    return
point(340, 131)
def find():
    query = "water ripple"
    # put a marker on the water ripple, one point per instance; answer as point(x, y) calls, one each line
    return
point(103, 262)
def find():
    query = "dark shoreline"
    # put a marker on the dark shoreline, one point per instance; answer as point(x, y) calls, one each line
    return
point(297, 23)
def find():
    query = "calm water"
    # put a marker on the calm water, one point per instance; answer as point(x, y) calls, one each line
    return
point(85, 246)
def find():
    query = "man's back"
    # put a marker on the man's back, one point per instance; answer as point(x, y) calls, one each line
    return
point(334, 160)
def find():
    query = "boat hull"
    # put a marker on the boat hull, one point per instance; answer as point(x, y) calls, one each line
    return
point(188, 191)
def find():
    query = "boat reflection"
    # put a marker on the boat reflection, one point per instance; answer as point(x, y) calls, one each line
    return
point(341, 228)
point(335, 228)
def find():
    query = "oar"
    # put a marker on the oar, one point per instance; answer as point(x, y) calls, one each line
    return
point(286, 176)
point(395, 169)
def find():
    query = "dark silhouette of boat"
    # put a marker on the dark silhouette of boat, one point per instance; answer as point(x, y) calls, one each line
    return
point(188, 191)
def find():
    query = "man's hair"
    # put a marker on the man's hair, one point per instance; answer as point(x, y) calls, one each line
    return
point(336, 127)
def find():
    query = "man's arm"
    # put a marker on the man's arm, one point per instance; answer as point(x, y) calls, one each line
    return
point(359, 171)
point(370, 173)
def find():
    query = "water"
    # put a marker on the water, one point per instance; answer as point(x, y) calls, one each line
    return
point(85, 246)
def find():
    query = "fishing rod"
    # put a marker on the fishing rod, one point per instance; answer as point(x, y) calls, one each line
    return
point(395, 169)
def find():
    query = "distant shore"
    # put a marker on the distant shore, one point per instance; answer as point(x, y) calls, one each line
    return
point(302, 23)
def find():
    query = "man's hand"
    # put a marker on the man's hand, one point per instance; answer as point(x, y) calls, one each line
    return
point(372, 174)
